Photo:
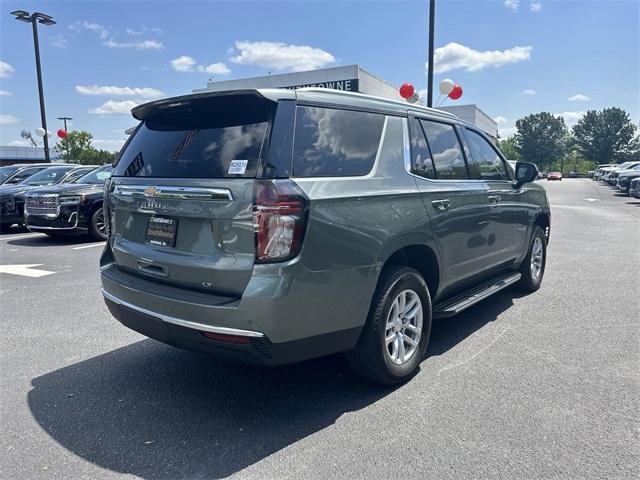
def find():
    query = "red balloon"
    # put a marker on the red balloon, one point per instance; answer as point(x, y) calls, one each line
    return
point(456, 93)
point(407, 90)
point(62, 133)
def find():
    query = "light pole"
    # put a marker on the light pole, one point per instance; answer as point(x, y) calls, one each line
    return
point(34, 19)
point(432, 14)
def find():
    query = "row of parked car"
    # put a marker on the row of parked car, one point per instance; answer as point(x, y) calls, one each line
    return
point(624, 176)
point(54, 198)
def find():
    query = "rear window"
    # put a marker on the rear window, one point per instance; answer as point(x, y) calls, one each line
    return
point(335, 143)
point(212, 143)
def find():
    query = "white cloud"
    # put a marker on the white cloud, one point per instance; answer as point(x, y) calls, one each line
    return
point(6, 70)
point(281, 56)
point(145, 92)
point(112, 145)
point(8, 119)
point(59, 41)
point(578, 97)
point(215, 69)
point(142, 45)
point(529, 91)
point(506, 132)
point(570, 118)
point(535, 7)
point(97, 28)
point(454, 56)
point(183, 64)
point(4, 93)
point(131, 31)
point(499, 119)
point(512, 4)
point(112, 107)
point(188, 64)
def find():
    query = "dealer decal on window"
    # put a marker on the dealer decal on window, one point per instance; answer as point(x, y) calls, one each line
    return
point(237, 167)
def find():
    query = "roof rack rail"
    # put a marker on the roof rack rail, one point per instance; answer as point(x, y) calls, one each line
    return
point(333, 91)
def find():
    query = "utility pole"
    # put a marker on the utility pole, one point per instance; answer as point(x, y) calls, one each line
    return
point(432, 14)
point(64, 119)
point(34, 19)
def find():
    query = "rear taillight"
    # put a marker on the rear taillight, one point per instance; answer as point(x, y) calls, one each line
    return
point(279, 219)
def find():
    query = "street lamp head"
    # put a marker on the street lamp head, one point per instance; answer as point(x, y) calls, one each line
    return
point(44, 18)
point(22, 16)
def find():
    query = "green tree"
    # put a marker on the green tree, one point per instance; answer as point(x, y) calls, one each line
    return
point(509, 147)
point(542, 138)
point(607, 136)
point(77, 148)
point(92, 156)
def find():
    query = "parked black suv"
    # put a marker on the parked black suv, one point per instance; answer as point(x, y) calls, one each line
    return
point(276, 226)
point(12, 195)
point(69, 208)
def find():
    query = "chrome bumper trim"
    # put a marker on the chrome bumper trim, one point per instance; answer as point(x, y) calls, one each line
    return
point(181, 322)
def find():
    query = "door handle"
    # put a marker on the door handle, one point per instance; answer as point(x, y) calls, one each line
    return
point(441, 204)
point(494, 199)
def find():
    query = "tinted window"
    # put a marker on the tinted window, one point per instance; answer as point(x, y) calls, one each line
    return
point(97, 176)
point(24, 174)
point(6, 172)
point(48, 176)
point(485, 162)
point(421, 163)
point(445, 150)
point(76, 174)
point(330, 142)
point(203, 145)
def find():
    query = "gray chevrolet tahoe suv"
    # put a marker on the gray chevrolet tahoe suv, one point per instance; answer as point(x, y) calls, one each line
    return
point(275, 226)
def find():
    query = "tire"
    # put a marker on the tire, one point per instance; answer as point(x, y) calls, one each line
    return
point(373, 356)
point(532, 272)
point(96, 226)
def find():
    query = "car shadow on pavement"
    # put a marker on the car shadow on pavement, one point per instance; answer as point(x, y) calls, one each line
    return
point(13, 230)
point(153, 411)
point(48, 241)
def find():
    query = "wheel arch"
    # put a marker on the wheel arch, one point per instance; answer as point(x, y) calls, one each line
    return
point(543, 220)
point(422, 258)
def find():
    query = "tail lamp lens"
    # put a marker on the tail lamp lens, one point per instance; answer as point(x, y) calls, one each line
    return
point(279, 218)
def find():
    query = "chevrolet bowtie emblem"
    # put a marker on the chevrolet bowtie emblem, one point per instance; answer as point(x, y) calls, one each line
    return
point(150, 191)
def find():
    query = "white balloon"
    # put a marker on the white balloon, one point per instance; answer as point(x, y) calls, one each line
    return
point(446, 86)
point(49, 133)
point(40, 132)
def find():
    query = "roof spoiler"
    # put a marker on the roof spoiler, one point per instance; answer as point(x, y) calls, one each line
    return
point(187, 102)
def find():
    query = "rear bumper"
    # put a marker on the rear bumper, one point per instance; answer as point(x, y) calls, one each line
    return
point(286, 309)
point(243, 345)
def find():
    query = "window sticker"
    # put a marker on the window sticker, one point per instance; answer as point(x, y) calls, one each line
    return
point(237, 167)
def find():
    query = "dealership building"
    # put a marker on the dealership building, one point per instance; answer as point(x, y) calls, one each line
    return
point(350, 78)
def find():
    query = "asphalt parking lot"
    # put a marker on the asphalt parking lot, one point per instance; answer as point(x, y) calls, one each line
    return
point(538, 386)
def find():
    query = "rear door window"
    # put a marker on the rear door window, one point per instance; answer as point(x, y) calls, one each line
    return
point(421, 162)
point(330, 142)
point(446, 151)
point(485, 163)
point(203, 145)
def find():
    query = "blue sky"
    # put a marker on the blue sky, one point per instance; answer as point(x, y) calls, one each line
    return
point(511, 57)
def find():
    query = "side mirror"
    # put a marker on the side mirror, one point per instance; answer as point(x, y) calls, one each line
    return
point(525, 173)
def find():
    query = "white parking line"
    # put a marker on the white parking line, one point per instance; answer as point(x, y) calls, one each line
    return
point(24, 235)
point(26, 270)
point(99, 244)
